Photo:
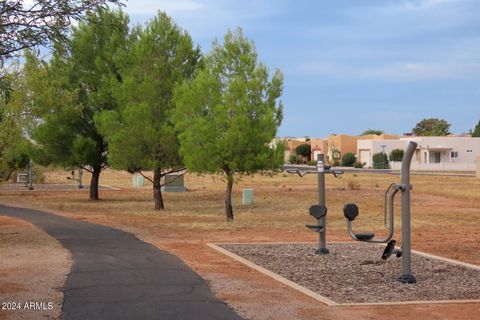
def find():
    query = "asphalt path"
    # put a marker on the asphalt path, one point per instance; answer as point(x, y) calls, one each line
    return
point(117, 276)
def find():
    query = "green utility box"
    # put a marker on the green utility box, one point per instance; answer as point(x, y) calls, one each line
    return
point(247, 197)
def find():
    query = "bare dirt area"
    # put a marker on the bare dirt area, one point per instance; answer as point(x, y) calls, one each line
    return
point(33, 270)
point(445, 222)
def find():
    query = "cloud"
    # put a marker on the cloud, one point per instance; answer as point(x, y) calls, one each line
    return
point(395, 71)
point(426, 4)
point(208, 19)
point(144, 7)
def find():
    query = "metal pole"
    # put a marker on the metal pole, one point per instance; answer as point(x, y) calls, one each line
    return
point(30, 178)
point(322, 240)
point(406, 276)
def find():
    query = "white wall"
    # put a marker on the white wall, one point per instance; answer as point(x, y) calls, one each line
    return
point(375, 146)
point(467, 148)
point(457, 144)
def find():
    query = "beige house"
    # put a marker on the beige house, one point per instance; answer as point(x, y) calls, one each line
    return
point(338, 145)
point(318, 146)
point(433, 153)
point(291, 144)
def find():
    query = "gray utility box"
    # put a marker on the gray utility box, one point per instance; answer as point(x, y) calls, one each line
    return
point(138, 181)
point(174, 183)
point(247, 197)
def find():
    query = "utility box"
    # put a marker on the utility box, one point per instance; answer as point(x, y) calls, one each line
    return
point(247, 197)
point(138, 181)
point(174, 183)
point(478, 166)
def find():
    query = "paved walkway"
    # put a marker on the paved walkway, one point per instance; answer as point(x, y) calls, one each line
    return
point(117, 276)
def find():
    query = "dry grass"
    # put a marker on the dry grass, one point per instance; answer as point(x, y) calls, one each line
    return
point(442, 207)
point(445, 221)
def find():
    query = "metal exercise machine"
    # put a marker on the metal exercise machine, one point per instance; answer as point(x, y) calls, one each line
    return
point(78, 178)
point(26, 177)
point(319, 211)
point(350, 212)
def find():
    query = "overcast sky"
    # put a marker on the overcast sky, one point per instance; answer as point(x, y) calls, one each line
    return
point(352, 65)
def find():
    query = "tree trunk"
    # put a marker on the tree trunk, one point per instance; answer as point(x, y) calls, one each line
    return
point(228, 198)
point(94, 183)
point(157, 189)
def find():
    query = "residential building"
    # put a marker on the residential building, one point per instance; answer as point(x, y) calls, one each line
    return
point(318, 146)
point(433, 153)
point(338, 145)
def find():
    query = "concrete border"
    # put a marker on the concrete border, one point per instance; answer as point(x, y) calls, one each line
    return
point(275, 276)
point(327, 301)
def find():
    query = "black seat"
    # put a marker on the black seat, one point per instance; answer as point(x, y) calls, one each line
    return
point(318, 211)
point(350, 211)
point(364, 236)
point(314, 227)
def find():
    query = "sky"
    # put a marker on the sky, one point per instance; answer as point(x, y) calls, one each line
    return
point(351, 65)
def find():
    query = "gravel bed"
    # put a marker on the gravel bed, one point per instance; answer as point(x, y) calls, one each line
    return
point(355, 273)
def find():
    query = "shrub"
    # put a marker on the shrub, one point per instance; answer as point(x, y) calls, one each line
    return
point(358, 165)
point(380, 161)
point(312, 163)
point(294, 159)
point(396, 155)
point(348, 159)
point(303, 150)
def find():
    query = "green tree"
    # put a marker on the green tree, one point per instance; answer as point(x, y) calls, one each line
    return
point(25, 24)
point(432, 127)
point(304, 150)
point(372, 131)
point(348, 159)
point(396, 155)
point(13, 144)
point(70, 89)
point(476, 131)
point(380, 161)
point(140, 132)
point(229, 114)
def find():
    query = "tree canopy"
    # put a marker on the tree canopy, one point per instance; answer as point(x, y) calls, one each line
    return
point(72, 87)
point(304, 150)
point(432, 127)
point(372, 131)
point(228, 115)
point(25, 24)
point(13, 144)
point(140, 131)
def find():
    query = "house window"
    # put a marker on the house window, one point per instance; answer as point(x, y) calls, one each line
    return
point(454, 154)
point(435, 157)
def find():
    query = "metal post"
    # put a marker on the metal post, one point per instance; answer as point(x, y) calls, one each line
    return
point(30, 178)
point(80, 173)
point(322, 241)
point(406, 276)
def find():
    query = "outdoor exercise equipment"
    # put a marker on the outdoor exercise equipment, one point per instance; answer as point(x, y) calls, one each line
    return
point(78, 178)
point(319, 211)
point(351, 211)
point(26, 177)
